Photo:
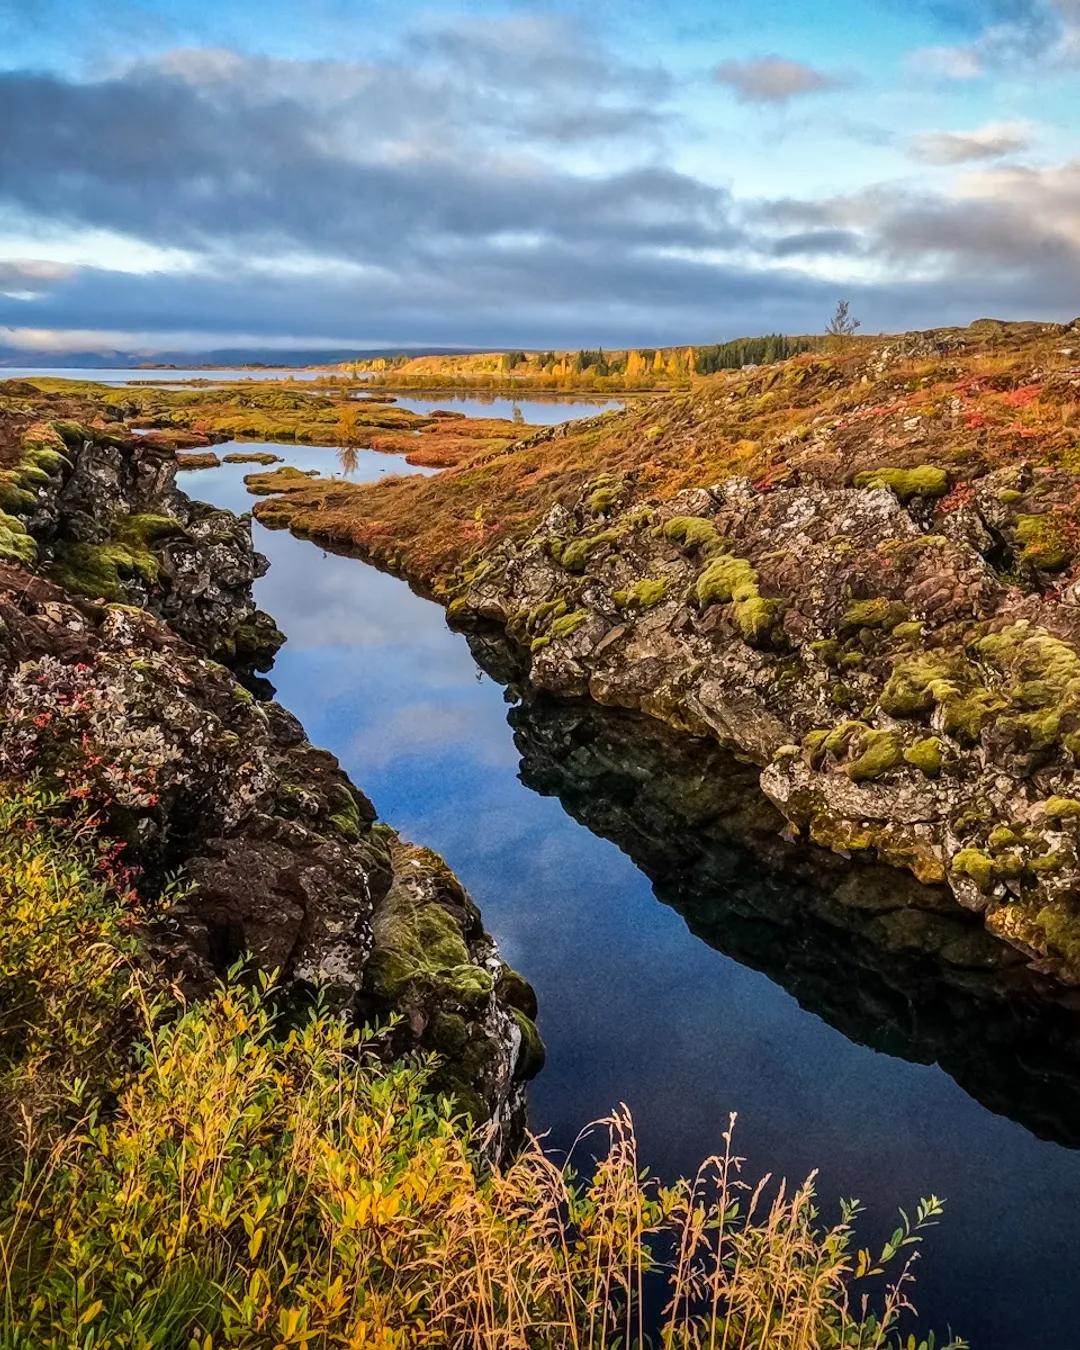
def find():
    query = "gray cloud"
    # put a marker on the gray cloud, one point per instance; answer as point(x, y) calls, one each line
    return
point(26, 278)
point(773, 79)
point(962, 147)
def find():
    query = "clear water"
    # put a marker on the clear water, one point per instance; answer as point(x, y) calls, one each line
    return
point(634, 1007)
point(537, 412)
point(128, 376)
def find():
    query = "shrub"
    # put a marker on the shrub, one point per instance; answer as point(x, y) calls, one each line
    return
point(245, 1177)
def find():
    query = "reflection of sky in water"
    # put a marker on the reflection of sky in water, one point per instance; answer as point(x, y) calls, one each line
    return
point(539, 412)
point(633, 1008)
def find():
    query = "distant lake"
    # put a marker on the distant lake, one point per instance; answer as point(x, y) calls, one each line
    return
point(540, 412)
point(129, 376)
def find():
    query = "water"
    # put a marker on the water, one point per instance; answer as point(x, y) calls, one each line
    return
point(636, 1008)
point(126, 375)
point(536, 411)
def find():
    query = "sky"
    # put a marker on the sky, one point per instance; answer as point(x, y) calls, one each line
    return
point(201, 174)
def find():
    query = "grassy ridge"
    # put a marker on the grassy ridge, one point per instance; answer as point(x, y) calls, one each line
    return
point(956, 404)
point(234, 1174)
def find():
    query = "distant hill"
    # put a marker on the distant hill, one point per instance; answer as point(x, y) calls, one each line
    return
point(226, 356)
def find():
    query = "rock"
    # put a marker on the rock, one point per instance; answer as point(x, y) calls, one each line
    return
point(282, 857)
point(927, 701)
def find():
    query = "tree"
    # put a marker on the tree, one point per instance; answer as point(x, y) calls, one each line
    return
point(841, 327)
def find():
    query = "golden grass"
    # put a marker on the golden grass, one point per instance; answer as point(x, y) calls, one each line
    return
point(246, 1177)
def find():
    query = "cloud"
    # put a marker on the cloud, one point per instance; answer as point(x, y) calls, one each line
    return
point(430, 728)
point(961, 147)
point(950, 63)
point(27, 278)
point(773, 79)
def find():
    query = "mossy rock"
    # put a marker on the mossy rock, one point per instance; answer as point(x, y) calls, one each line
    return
point(568, 623)
point(927, 755)
point(602, 500)
point(263, 457)
point(879, 751)
point(757, 617)
point(1062, 808)
point(532, 1055)
point(926, 480)
point(692, 532)
point(1044, 542)
point(575, 554)
point(973, 863)
point(16, 545)
point(876, 613)
point(99, 571)
point(643, 594)
point(726, 578)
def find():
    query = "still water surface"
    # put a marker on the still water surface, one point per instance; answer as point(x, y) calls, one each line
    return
point(633, 1007)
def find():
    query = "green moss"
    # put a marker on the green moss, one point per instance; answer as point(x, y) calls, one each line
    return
point(973, 863)
point(1046, 862)
point(13, 496)
point(568, 623)
point(418, 941)
point(15, 544)
point(1062, 808)
point(908, 690)
point(726, 578)
point(643, 594)
point(602, 500)
point(964, 718)
point(1009, 496)
point(532, 1054)
point(1044, 542)
point(692, 532)
point(877, 613)
point(143, 530)
point(837, 741)
point(100, 570)
point(879, 751)
point(575, 554)
point(1003, 837)
point(344, 813)
point(924, 481)
point(756, 617)
point(927, 755)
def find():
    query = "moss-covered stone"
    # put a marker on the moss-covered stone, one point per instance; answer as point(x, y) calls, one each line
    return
point(876, 613)
point(575, 554)
point(927, 755)
point(1044, 542)
point(1062, 808)
point(531, 1055)
point(756, 617)
point(15, 544)
point(973, 863)
point(726, 578)
point(926, 480)
point(100, 570)
point(643, 594)
point(692, 532)
point(879, 751)
point(568, 623)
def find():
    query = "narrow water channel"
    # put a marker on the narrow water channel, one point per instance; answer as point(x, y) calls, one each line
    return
point(633, 1006)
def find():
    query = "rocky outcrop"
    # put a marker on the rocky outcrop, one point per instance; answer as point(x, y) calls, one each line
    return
point(281, 856)
point(123, 605)
point(888, 961)
point(897, 662)
point(98, 510)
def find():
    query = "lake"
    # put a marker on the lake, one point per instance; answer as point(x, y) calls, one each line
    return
point(697, 979)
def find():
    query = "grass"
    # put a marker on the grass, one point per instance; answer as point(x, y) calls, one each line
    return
point(234, 1174)
point(927, 426)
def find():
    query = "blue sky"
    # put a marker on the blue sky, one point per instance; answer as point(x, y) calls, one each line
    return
point(185, 175)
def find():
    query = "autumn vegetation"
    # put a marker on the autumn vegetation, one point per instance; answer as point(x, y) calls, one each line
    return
point(963, 401)
point(239, 1173)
